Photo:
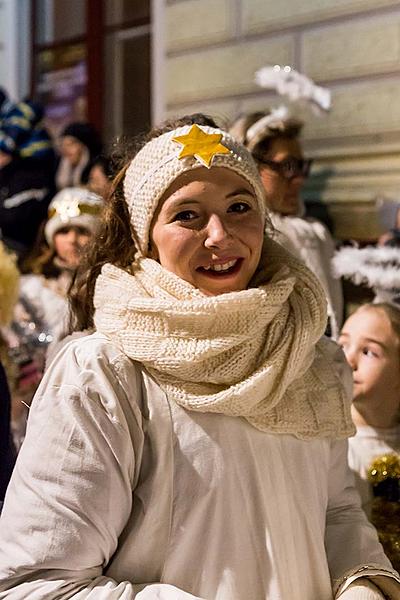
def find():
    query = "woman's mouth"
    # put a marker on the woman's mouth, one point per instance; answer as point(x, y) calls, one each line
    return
point(219, 269)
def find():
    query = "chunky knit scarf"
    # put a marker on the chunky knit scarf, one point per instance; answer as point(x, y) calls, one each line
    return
point(253, 354)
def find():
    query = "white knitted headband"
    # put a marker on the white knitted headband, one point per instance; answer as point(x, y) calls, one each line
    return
point(73, 206)
point(164, 158)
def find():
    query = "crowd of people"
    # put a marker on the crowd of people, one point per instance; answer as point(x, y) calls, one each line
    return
point(182, 393)
point(52, 192)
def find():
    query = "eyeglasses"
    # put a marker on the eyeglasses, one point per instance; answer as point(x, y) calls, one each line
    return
point(290, 167)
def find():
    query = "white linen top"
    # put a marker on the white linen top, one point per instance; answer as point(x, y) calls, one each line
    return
point(117, 490)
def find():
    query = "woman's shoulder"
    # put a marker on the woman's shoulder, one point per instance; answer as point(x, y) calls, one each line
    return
point(93, 350)
point(95, 365)
point(93, 368)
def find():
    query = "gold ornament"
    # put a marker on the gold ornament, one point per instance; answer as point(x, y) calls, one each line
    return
point(384, 474)
point(384, 467)
point(203, 146)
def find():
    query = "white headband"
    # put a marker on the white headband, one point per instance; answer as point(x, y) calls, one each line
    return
point(274, 120)
point(73, 206)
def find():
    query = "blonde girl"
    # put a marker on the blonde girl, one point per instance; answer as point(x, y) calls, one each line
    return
point(370, 339)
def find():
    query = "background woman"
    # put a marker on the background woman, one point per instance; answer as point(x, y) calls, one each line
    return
point(179, 451)
point(80, 144)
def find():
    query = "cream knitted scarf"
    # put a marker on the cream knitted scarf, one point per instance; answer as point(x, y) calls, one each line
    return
point(251, 354)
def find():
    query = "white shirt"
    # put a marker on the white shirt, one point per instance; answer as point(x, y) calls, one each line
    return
point(117, 490)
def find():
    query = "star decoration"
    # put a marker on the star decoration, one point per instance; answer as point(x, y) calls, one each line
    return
point(203, 146)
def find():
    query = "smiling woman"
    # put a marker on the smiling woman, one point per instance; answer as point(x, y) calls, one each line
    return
point(203, 424)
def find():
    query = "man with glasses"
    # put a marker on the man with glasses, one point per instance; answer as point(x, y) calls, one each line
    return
point(273, 137)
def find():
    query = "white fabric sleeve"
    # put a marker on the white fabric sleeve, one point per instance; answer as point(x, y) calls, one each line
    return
point(71, 491)
point(362, 589)
point(352, 545)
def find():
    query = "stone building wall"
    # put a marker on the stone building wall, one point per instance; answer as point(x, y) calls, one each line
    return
point(214, 47)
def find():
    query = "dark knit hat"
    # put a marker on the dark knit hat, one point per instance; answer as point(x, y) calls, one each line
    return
point(21, 131)
point(86, 134)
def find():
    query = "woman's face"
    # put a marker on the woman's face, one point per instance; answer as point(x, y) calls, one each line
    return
point(69, 243)
point(71, 149)
point(5, 159)
point(282, 195)
point(372, 350)
point(98, 181)
point(209, 230)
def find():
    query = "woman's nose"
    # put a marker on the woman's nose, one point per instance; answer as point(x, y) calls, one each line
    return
point(217, 233)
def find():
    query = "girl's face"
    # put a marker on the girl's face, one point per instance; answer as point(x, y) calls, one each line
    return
point(98, 181)
point(69, 243)
point(372, 350)
point(282, 195)
point(71, 149)
point(209, 230)
point(5, 159)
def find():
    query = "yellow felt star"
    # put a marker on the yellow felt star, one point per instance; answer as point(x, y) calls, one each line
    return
point(203, 146)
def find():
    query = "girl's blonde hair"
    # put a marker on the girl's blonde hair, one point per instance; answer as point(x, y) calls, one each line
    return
point(9, 284)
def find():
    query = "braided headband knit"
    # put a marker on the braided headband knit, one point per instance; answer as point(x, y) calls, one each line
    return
point(164, 158)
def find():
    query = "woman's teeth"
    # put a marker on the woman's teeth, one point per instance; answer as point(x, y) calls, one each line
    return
point(222, 267)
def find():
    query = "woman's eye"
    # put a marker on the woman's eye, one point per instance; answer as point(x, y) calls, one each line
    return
point(185, 215)
point(239, 207)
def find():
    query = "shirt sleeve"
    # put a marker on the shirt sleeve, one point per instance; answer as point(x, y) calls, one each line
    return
point(352, 545)
point(71, 491)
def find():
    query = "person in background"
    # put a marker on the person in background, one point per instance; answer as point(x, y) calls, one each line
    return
point(389, 217)
point(41, 316)
point(193, 447)
point(100, 176)
point(79, 145)
point(27, 164)
point(9, 284)
point(5, 103)
point(370, 338)
point(273, 138)
point(73, 217)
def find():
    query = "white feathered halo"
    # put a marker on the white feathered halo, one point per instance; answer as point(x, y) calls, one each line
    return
point(295, 86)
point(377, 267)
